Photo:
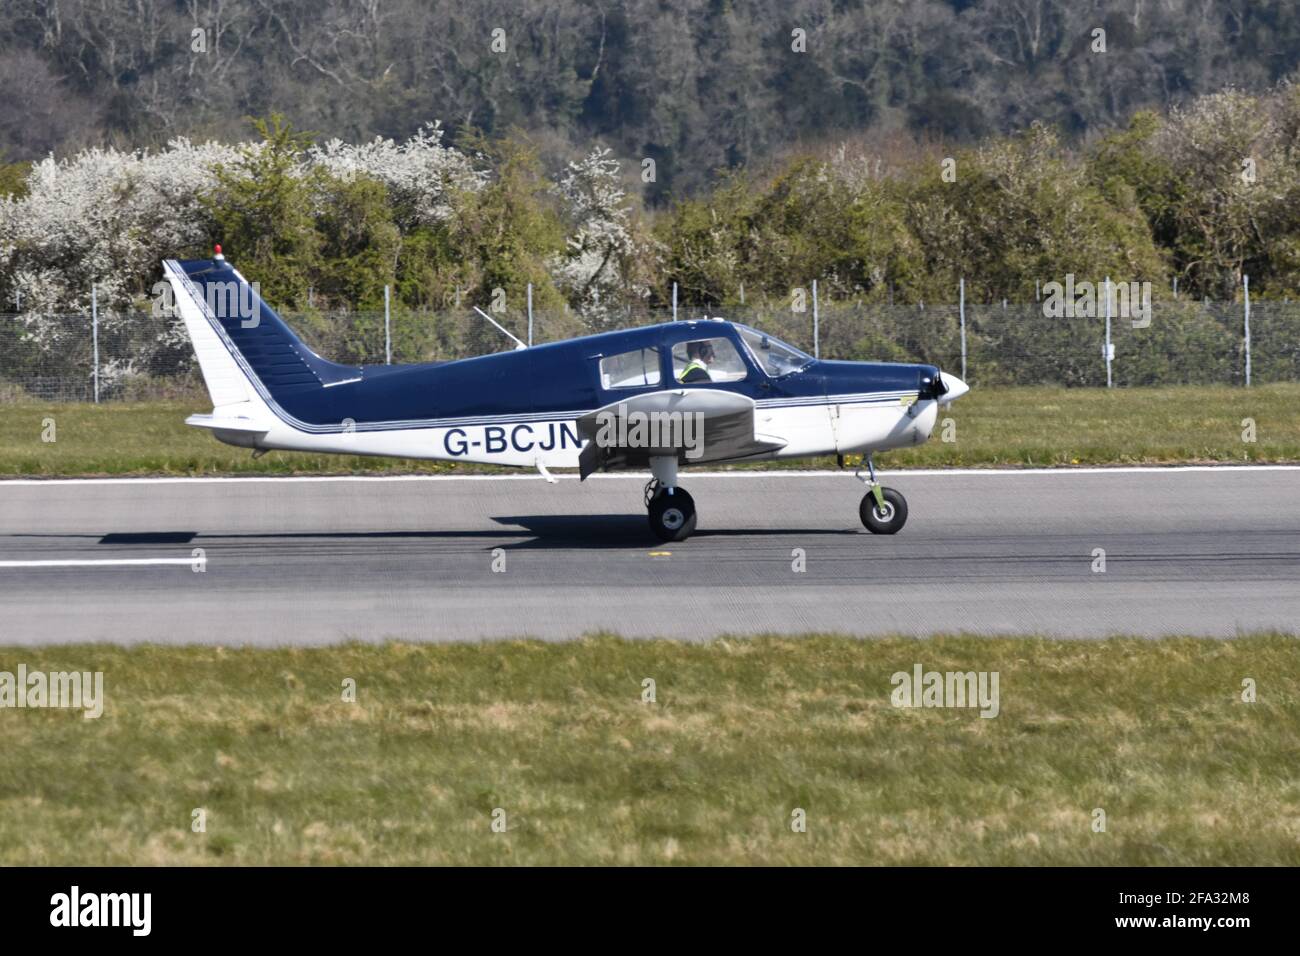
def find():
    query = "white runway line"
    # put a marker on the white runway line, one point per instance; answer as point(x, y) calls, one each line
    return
point(96, 562)
point(642, 476)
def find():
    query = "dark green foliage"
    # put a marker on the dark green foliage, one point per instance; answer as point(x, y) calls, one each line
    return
point(360, 244)
point(13, 179)
point(261, 213)
point(505, 232)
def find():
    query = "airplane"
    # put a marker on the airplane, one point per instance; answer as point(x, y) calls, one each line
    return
point(660, 396)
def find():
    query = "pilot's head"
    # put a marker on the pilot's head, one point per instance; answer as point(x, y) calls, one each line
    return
point(700, 350)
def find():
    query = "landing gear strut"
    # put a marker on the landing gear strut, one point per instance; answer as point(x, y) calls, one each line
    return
point(671, 509)
point(883, 510)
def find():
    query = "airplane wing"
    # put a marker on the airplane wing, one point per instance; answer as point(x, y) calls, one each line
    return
point(697, 425)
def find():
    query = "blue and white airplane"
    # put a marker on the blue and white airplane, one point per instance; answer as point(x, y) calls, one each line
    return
point(692, 392)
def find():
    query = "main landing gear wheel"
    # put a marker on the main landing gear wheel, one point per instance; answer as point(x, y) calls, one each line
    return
point(886, 520)
point(672, 515)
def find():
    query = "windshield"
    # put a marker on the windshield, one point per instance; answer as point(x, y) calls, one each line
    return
point(774, 356)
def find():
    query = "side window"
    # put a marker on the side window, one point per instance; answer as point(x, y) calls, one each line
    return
point(707, 360)
point(630, 369)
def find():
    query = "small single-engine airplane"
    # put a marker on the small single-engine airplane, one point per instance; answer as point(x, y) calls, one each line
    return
point(681, 392)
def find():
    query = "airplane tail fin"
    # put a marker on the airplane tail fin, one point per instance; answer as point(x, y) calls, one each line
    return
point(251, 360)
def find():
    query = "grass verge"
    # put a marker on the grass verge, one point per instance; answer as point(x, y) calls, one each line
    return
point(742, 732)
point(994, 426)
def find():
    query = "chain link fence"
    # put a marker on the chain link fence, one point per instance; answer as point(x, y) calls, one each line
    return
point(141, 355)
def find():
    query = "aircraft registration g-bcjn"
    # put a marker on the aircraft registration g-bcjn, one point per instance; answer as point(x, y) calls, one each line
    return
point(700, 391)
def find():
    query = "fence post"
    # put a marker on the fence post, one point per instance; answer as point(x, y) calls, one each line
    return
point(961, 311)
point(1109, 349)
point(1245, 281)
point(388, 331)
point(817, 344)
point(674, 301)
point(530, 315)
point(94, 336)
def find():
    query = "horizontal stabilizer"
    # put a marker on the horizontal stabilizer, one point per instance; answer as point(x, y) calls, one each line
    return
point(228, 424)
point(232, 429)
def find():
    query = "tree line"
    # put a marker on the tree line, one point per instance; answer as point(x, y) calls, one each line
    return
point(696, 85)
point(1199, 197)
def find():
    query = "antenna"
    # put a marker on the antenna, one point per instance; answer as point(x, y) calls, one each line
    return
point(518, 344)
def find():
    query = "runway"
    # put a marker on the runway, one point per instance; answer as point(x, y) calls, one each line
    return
point(1212, 551)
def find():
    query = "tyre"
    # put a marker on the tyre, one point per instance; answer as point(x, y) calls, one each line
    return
point(672, 516)
point(886, 521)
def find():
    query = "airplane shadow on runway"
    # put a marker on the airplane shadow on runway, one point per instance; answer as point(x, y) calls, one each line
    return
point(538, 531)
point(623, 531)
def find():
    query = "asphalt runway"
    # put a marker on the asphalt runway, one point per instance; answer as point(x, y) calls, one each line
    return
point(308, 561)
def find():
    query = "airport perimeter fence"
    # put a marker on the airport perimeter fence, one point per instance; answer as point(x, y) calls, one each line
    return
point(139, 355)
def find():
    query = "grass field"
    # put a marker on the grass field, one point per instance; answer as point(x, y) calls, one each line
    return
point(994, 426)
point(742, 732)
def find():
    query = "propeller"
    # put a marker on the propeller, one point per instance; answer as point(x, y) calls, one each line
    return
point(943, 387)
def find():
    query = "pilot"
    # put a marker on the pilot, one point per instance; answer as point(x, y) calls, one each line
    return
point(699, 357)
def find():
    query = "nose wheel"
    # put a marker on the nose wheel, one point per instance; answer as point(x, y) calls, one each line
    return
point(883, 510)
point(886, 515)
point(672, 512)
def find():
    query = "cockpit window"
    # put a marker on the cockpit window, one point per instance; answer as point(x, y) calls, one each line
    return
point(775, 357)
point(630, 369)
point(707, 360)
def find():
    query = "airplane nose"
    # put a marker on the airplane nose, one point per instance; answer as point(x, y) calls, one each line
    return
point(956, 387)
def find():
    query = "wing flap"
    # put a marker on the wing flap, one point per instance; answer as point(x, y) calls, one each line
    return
point(696, 425)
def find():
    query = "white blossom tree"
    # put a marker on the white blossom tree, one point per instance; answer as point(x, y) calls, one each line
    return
point(593, 272)
point(421, 174)
point(103, 218)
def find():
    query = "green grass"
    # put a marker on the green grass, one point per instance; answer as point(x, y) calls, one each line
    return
point(994, 426)
point(1059, 426)
point(743, 732)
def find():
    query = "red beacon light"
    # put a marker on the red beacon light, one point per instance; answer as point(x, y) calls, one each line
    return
point(216, 253)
